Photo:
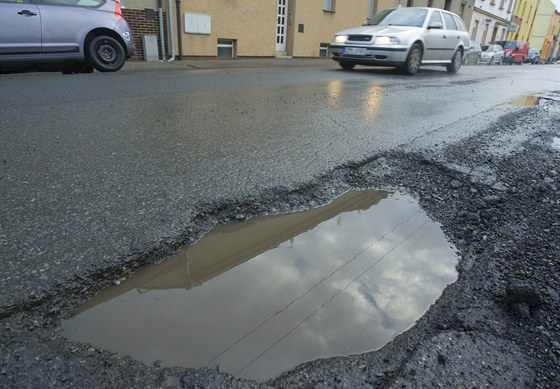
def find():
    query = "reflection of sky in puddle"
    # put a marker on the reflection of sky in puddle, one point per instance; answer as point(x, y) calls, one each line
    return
point(334, 281)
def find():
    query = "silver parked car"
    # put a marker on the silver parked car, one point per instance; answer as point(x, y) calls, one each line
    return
point(84, 34)
point(492, 54)
point(473, 54)
point(405, 38)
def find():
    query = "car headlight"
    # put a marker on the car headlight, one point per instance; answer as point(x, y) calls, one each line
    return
point(386, 40)
point(340, 38)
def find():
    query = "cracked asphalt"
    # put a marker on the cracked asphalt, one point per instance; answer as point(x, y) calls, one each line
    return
point(108, 173)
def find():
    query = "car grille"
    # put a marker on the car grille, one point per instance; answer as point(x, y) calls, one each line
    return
point(359, 38)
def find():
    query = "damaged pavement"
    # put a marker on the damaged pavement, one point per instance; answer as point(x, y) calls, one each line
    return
point(496, 197)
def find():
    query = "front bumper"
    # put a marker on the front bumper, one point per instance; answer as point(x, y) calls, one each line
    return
point(378, 56)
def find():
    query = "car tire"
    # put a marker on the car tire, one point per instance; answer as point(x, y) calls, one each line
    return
point(347, 65)
point(413, 60)
point(106, 54)
point(455, 64)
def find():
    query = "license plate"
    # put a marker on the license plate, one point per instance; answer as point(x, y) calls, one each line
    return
point(354, 51)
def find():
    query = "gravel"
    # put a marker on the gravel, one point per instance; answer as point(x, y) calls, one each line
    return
point(496, 197)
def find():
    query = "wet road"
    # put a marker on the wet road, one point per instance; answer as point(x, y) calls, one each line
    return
point(94, 167)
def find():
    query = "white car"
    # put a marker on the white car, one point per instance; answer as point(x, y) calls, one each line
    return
point(405, 38)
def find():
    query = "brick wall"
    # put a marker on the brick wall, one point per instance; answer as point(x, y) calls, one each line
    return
point(145, 22)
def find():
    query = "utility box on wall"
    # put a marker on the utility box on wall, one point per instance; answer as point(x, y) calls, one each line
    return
point(150, 48)
point(198, 24)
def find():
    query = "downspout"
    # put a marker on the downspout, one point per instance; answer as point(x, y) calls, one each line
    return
point(161, 36)
point(179, 34)
point(170, 25)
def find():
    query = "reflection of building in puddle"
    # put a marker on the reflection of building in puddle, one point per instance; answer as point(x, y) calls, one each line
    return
point(337, 280)
point(228, 246)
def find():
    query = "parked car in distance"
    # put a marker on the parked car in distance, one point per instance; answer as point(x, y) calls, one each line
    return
point(515, 51)
point(534, 56)
point(78, 34)
point(473, 54)
point(406, 38)
point(491, 54)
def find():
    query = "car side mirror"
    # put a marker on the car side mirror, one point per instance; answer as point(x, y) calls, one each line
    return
point(435, 25)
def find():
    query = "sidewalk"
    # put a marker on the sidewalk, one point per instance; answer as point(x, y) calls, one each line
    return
point(223, 63)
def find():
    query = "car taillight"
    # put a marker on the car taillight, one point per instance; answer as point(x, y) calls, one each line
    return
point(118, 11)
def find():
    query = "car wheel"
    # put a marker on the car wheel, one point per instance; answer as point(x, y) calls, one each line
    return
point(455, 64)
point(346, 65)
point(413, 60)
point(106, 54)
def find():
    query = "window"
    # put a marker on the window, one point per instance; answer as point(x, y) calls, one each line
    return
point(462, 9)
point(436, 18)
point(510, 6)
point(449, 22)
point(328, 5)
point(226, 48)
point(459, 23)
point(323, 50)
point(410, 3)
point(474, 30)
point(430, 3)
point(447, 5)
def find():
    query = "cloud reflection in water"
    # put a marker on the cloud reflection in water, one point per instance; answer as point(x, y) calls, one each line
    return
point(330, 281)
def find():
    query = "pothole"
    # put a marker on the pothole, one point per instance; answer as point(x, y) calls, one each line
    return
point(526, 101)
point(259, 297)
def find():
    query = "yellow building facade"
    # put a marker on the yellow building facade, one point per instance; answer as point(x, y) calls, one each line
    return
point(294, 28)
point(545, 29)
point(522, 20)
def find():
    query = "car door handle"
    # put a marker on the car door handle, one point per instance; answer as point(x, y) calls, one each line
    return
point(27, 12)
point(445, 36)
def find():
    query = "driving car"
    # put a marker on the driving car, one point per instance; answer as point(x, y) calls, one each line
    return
point(534, 56)
point(81, 34)
point(405, 38)
point(473, 54)
point(492, 54)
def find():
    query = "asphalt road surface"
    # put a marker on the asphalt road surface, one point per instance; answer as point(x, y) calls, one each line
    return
point(101, 174)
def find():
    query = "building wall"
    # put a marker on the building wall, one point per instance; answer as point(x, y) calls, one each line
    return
point(319, 26)
point(139, 4)
point(490, 20)
point(144, 22)
point(523, 16)
point(546, 29)
point(250, 23)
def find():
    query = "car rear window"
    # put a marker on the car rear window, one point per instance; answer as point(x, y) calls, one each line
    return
point(75, 3)
point(449, 22)
point(459, 23)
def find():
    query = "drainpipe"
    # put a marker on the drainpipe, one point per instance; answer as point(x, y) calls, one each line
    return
point(170, 25)
point(179, 34)
point(161, 37)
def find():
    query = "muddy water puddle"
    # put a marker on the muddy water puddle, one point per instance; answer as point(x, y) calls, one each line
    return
point(526, 101)
point(259, 297)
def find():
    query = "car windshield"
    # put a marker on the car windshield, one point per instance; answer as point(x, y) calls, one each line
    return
point(488, 48)
point(510, 45)
point(399, 17)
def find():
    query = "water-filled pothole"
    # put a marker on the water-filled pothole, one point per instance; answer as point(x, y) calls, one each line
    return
point(526, 101)
point(259, 297)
